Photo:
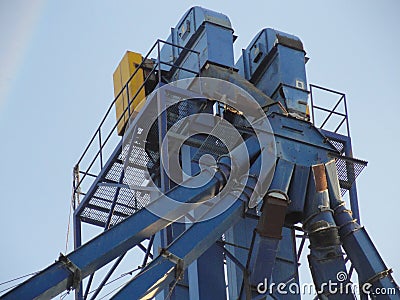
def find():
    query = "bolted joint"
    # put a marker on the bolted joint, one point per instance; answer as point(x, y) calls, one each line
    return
point(378, 276)
point(323, 235)
point(344, 219)
point(74, 282)
point(179, 269)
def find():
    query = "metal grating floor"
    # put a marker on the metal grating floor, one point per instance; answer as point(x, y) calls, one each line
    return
point(110, 199)
point(108, 188)
point(348, 170)
point(128, 201)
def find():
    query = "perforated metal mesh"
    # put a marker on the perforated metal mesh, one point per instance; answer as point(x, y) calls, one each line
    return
point(339, 145)
point(178, 111)
point(348, 170)
point(214, 146)
point(211, 145)
point(109, 187)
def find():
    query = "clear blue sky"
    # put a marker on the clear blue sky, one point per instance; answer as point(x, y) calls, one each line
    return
point(57, 60)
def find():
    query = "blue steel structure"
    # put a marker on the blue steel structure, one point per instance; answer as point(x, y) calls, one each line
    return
point(228, 256)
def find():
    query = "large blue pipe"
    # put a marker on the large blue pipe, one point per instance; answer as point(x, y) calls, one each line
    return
point(67, 272)
point(374, 276)
point(173, 260)
point(326, 258)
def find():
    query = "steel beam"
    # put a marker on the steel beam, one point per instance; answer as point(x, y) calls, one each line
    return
point(67, 273)
point(186, 248)
point(191, 244)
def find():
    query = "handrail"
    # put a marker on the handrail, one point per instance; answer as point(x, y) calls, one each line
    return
point(98, 132)
point(330, 111)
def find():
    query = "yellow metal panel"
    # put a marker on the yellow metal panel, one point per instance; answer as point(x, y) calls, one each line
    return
point(120, 102)
point(135, 91)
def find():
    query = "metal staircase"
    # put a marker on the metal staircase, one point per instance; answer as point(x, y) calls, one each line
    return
point(254, 229)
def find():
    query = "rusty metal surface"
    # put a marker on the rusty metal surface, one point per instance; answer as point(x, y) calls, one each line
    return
point(320, 178)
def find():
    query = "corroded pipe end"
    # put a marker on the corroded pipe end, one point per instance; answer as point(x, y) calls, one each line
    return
point(321, 183)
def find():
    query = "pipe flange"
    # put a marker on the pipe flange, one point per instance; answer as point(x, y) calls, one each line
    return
point(379, 276)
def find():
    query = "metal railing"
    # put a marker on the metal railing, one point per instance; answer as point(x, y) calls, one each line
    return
point(102, 135)
point(334, 111)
